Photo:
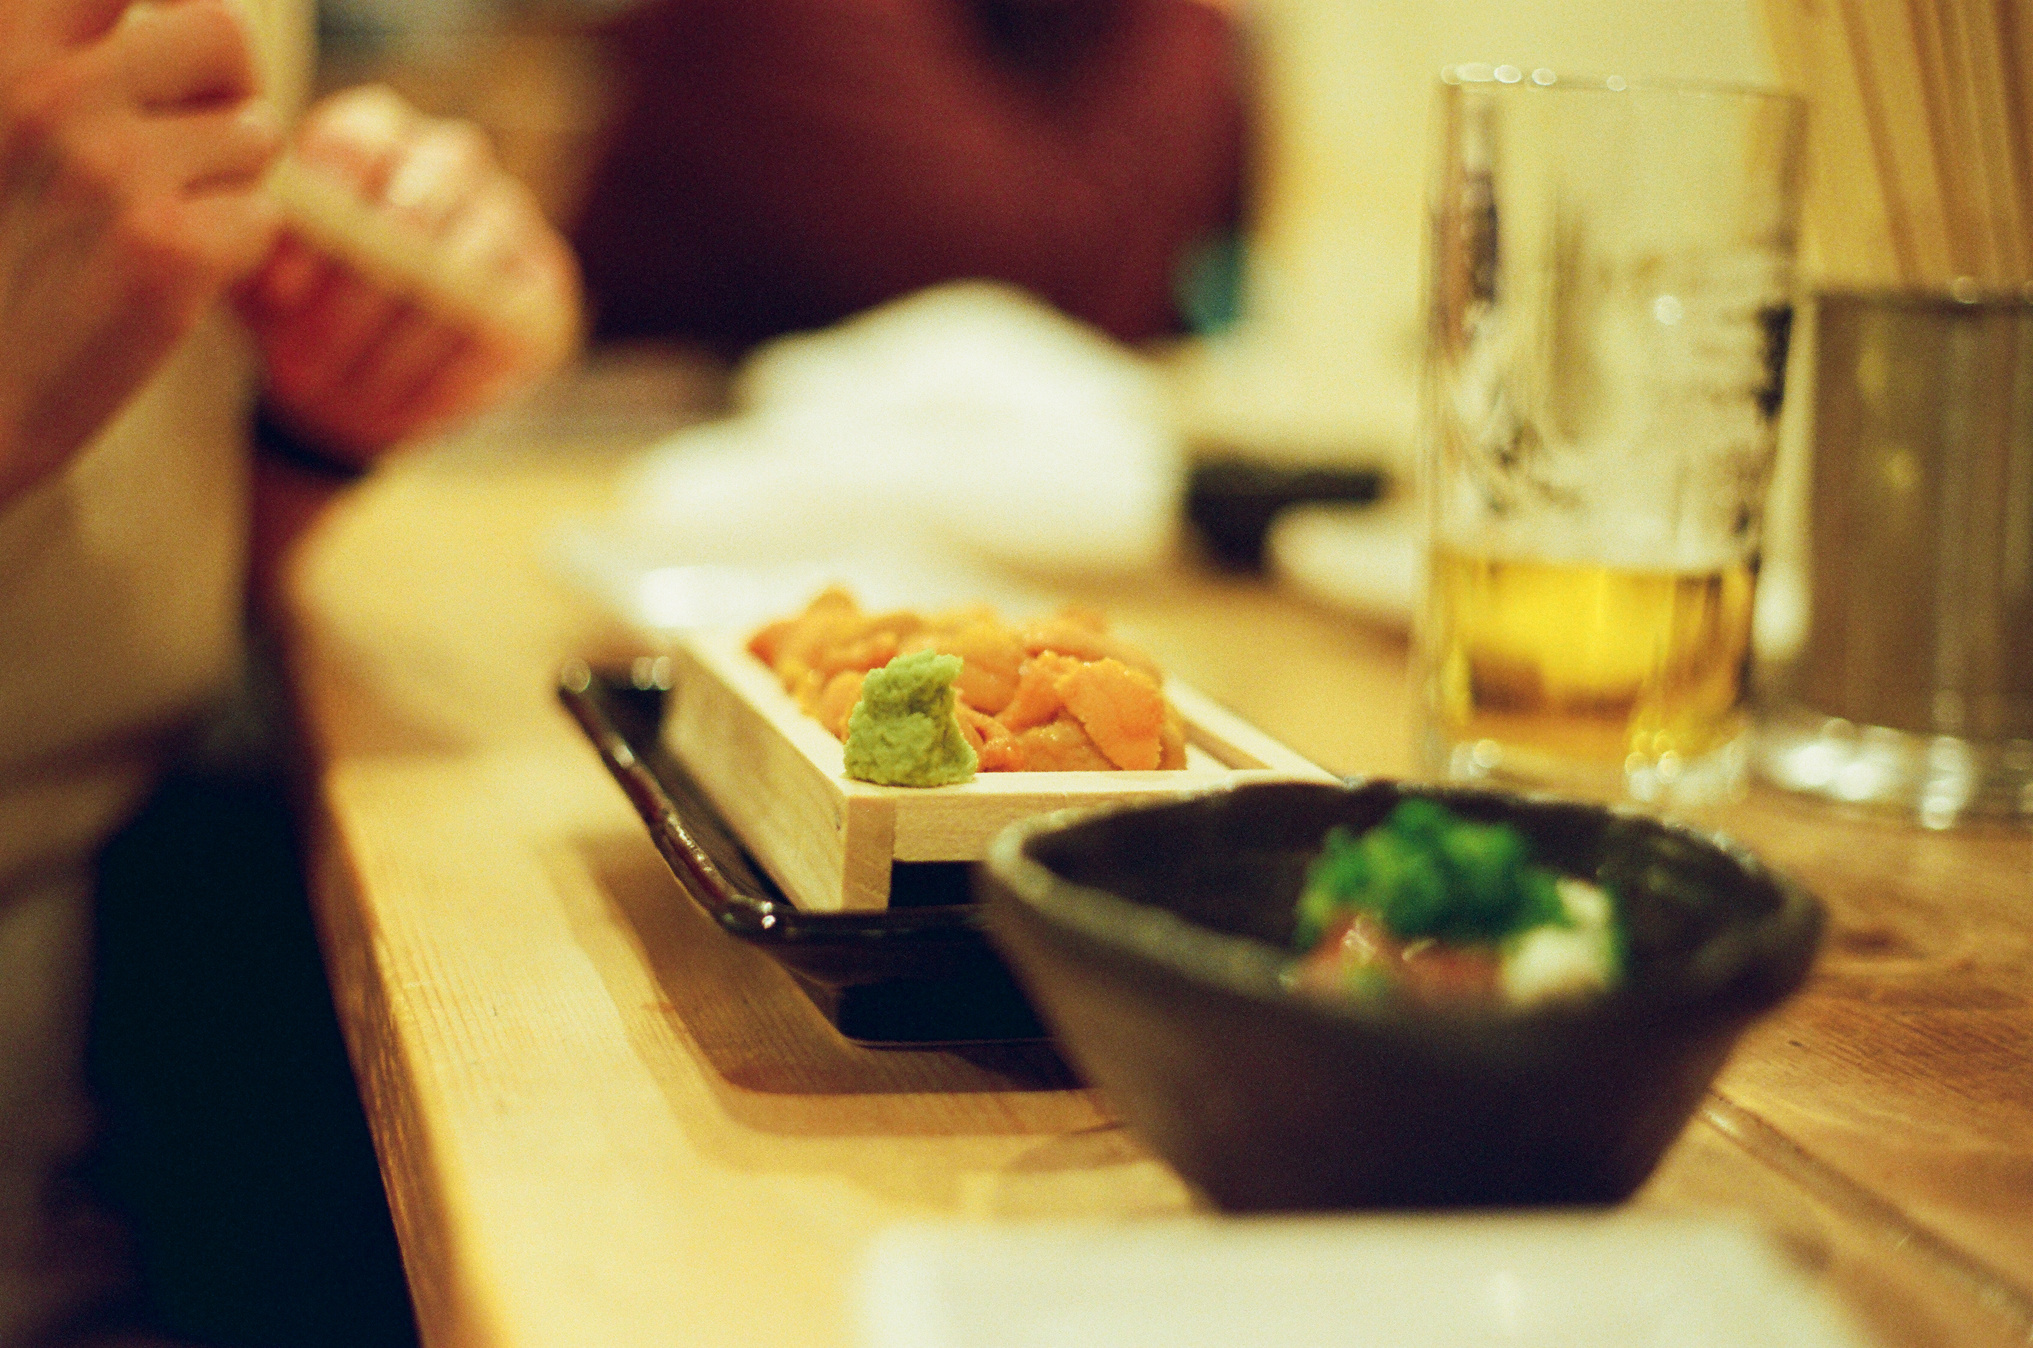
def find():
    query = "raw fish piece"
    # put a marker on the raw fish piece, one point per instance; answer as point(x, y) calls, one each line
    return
point(1120, 708)
point(1084, 636)
point(993, 654)
point(837, 701)
point(994, 746)
point(1038, 700)
point(1061, 746)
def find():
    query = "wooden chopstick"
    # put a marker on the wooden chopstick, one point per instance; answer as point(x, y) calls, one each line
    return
point(1984, 26)
point(1922, 136)
point(1906, 129)
point(2015, 57)
point(1858, 236)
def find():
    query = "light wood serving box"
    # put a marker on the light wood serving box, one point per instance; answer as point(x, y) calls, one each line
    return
point(778, 779)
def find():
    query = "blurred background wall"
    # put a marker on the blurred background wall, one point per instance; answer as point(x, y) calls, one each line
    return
point(1323, 363)
point(1326, 363)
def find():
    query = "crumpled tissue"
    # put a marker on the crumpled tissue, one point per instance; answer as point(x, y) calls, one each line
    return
point(969, 423)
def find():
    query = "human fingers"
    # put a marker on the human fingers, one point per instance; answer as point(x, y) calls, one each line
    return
point(506, 251)
point(357, 137)
point(443, 169)
point(96, 327)
point(313, 351)
point(32, 30)
point(495, 235)
point(383, 401)
point(419, 373)
point(289, 275)
point(193, 199)
point(466, 377)
point(372, 394)
point(478, 374)
point(405, 360)
point(190, 52)
point(448, 229)
point(226, 235)
point(124, 181)
point(505, 235)
point(222, 150)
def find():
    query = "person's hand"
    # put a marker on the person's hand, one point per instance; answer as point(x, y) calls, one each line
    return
point(355, 362)
point(129, 154)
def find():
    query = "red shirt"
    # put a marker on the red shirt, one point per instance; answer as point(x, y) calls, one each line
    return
point(780, 164)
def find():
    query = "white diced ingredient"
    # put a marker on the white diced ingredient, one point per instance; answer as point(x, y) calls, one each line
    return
point(1587, 904)
point(1554, 963)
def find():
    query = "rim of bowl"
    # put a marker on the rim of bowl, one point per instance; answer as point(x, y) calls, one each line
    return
point(1782, 941)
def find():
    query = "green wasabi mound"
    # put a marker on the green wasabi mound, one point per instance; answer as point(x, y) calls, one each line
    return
point(903, 732)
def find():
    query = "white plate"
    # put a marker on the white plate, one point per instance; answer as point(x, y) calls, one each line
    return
point(1560, 1280)
point(1364, 560)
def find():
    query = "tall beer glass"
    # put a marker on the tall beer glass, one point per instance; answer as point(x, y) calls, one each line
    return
point(1611, 286)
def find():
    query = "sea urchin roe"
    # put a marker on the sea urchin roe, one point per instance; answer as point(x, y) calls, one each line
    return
point(903, 731)
point(1443, 908)
point(1058, 695)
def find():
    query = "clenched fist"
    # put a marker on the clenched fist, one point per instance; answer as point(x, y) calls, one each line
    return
point(416, 282)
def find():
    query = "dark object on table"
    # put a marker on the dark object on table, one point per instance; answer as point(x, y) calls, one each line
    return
point(1153, 941)
point(1232, 500)
point(920, 972)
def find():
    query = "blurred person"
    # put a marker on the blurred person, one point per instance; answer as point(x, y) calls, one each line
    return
point(132, 146)
point(780, 164)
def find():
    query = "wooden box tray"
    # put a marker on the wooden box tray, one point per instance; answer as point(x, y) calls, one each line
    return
point(777, 777)
point(917, 973)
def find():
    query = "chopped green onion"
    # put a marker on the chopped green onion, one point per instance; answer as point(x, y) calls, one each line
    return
point(1426, 872)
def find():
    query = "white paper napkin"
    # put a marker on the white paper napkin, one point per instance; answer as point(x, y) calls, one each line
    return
point(965, 427)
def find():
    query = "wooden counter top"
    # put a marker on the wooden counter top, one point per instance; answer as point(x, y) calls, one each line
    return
point(601, 1121)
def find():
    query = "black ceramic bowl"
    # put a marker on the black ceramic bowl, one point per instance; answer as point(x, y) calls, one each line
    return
point(1152, 941)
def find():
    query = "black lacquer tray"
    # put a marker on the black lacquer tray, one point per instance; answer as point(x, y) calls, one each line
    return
point(920, 972)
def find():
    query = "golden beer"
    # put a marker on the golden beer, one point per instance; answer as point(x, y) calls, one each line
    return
point(1582, 662)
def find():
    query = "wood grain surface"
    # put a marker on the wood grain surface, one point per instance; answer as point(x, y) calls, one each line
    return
point(601, 1121)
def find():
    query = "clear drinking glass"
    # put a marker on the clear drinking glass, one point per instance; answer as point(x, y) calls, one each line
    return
point(1611, 296)
point(1912, 683)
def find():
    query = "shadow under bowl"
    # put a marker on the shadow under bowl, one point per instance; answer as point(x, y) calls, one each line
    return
point(1154, 943)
